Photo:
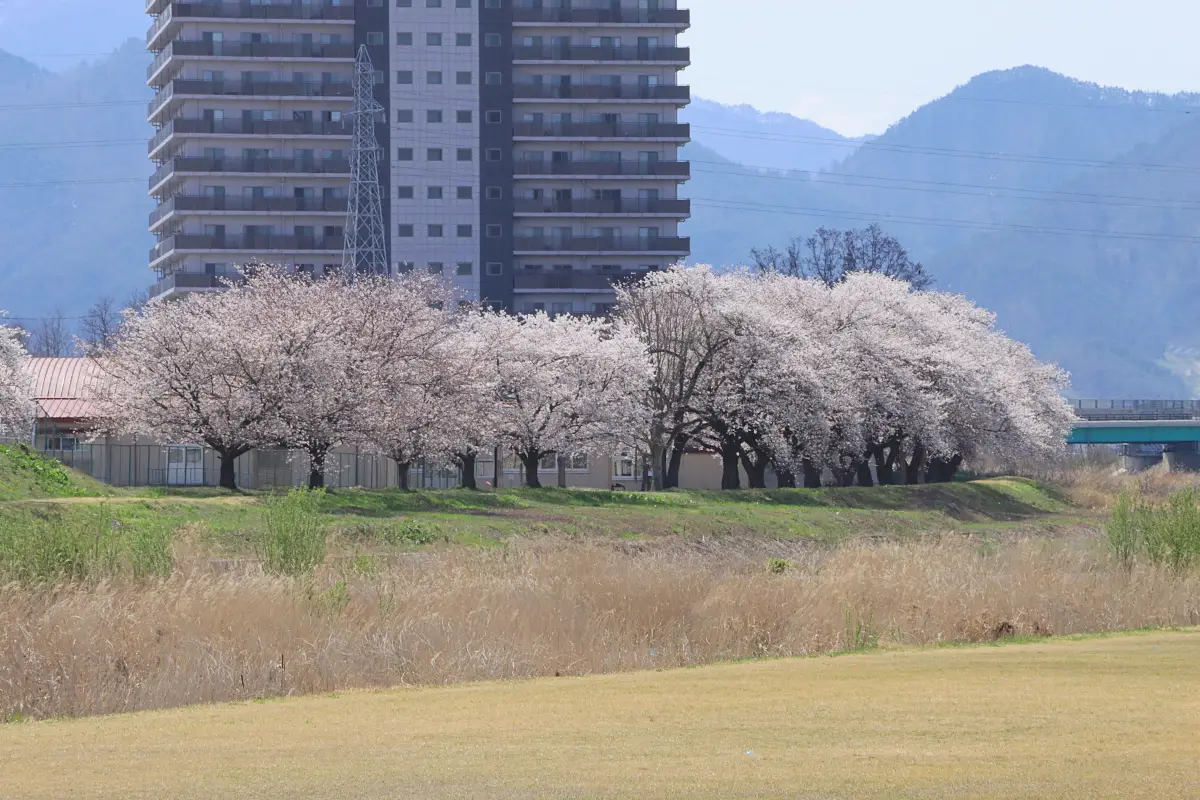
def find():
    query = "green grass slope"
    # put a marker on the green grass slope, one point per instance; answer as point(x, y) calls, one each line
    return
point(28, 475)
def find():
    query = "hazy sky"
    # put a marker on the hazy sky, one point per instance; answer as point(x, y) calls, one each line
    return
point(854, 65)
point(859, 65)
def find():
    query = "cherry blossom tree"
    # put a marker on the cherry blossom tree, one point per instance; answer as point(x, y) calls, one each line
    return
point(563, 385)
point(680, 317)
point(214, 368)
point(430, 379)
point(16, 384)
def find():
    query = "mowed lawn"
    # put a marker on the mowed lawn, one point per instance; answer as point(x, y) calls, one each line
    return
point(1092, 718)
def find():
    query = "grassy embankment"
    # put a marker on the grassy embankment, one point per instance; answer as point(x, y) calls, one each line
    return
point(1093, 718)
point(123, 603)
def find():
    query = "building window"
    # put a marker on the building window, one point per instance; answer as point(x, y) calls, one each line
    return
point(404, 154)
point(434, 77)
point(494, 154)
point(433, 40)
point(434, 154)
point(433, 3)
point(462, 78)
point(462, 3)
point(462, 39)
point(404, 77)
point(404, 266)
point(465, 232)
point(434, 193)
point(624, 467)
point(464, 117)
point(463, 154)
point(465, 193)
point(495, 268)
point(495, 193)
point(404, 39)
point(404, 231)
point(404, 115)
point(493, 4)
point(495, 231)
point(436, 267)
point(434, 232)
point(493, 79)
point(465, 268)
point(404, 192)
point(375, 38)
point(493, 40)
point(403, 3)
point(494, 117)
point(377, 77)
point(433, 116)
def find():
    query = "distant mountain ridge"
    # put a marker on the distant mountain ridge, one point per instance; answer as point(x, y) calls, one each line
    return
point(1023, 189)
point(743, 134)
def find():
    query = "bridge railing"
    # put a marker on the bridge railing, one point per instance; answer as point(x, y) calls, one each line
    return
point(1136, 409)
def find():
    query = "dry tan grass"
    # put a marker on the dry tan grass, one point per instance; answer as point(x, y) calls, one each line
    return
point(1099, 718)
point(546, 607)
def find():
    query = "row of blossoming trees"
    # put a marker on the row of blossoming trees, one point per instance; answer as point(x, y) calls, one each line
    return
point(866, 380)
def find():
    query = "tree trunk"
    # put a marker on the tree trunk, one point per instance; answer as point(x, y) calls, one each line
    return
point(671, 479)
point(731, 477)
point(863, 468)
point(943, 470)
point(316, 467)
point(530, 460)
point(812, 475)
point(467, 463)
point(756, 470)
point(916, 465)
point(497, 468)
point(228, 479)
point(402, 468)
point(656, 466)
point(787, 478)
point(561, 461)
point(885, 465)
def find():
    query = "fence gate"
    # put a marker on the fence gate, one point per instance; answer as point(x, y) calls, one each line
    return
point(185, 465)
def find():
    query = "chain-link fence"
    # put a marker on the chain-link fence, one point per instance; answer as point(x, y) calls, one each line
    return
point(192, 465)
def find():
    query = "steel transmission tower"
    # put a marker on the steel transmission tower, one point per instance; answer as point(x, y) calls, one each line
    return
point(366, 236)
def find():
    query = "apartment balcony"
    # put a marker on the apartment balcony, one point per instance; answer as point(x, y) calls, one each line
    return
point(526, 92)
point(203, 204)
point(286, 51)
point(179, 284)
point(602, 245)
point(659, 131)
point(527, 14)
point(603, 169)
point(187, 88)
point(170, 13)
point(583, 54)
point(276, 166)
point(634, 207)
point(260, 243)
point(185, 127)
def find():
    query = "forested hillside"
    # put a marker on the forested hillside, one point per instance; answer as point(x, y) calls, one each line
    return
point(73, 203)
point(1064, 206)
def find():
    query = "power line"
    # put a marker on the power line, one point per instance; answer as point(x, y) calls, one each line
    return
point(941, 223)
point(942, 151)
point(1083, 198)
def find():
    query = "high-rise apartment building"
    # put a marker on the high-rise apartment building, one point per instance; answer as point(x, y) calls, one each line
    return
point(530, 149)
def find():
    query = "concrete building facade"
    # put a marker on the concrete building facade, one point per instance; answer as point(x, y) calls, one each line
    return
point(530, 149)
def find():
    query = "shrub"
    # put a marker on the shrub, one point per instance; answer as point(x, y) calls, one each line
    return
point(87, 544)
point(1168, 535)
point(410, 531)
point(778, 566)
point(292, 539)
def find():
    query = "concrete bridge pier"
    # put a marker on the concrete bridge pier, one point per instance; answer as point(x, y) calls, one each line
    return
point(1181, 457)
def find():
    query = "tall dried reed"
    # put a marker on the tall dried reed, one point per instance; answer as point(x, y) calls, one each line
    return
point(547, 607)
